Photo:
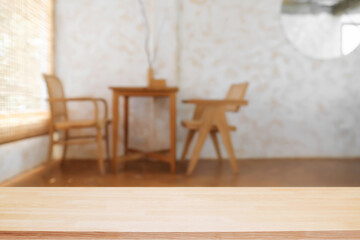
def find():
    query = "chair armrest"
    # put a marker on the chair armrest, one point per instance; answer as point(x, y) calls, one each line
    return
point(215, 102)
point(82, 99)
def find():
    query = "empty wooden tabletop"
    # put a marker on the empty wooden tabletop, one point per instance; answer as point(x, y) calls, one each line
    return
point(233, 213)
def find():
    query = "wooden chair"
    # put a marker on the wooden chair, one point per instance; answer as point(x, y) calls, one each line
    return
point(209, 118)
point(60, 122)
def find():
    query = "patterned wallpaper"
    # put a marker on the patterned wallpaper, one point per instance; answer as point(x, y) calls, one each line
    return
point(298, 107)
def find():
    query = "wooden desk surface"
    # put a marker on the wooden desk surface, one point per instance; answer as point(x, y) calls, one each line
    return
point(173, 212)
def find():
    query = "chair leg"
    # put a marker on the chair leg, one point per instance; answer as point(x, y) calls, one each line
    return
point(216, 145)
point(189, 138)
point(50, 151)
point(225, 134)
point(65, 146)
point(100, 151)
point(107, 144)
point(203, 132)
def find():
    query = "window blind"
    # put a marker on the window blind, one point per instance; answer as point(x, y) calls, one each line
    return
point(26, 52)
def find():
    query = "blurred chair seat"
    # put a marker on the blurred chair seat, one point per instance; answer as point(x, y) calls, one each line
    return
point(81, 124)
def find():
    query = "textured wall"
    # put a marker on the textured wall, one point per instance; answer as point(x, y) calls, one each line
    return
point(298, 106)
point(21, 156)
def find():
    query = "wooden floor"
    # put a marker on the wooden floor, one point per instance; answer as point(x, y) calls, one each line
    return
point(208, 173)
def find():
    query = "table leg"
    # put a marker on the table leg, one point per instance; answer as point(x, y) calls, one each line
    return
point(126, 125)
point(115, 129)
point(172, 109)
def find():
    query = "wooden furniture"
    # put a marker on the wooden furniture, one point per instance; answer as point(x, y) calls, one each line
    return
point(60, 121)
point(209, 118)
point(153, 82)
point(134, 154)
point(180, 213)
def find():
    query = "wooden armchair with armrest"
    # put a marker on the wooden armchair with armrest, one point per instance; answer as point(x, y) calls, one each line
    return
point(209, 118)
point(60, 122)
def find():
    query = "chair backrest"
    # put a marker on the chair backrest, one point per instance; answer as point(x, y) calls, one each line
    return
point(236, 92)
point(55, 91)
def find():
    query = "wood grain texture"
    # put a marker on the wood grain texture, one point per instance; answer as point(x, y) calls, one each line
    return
point(181, 210)
point(190, 236)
